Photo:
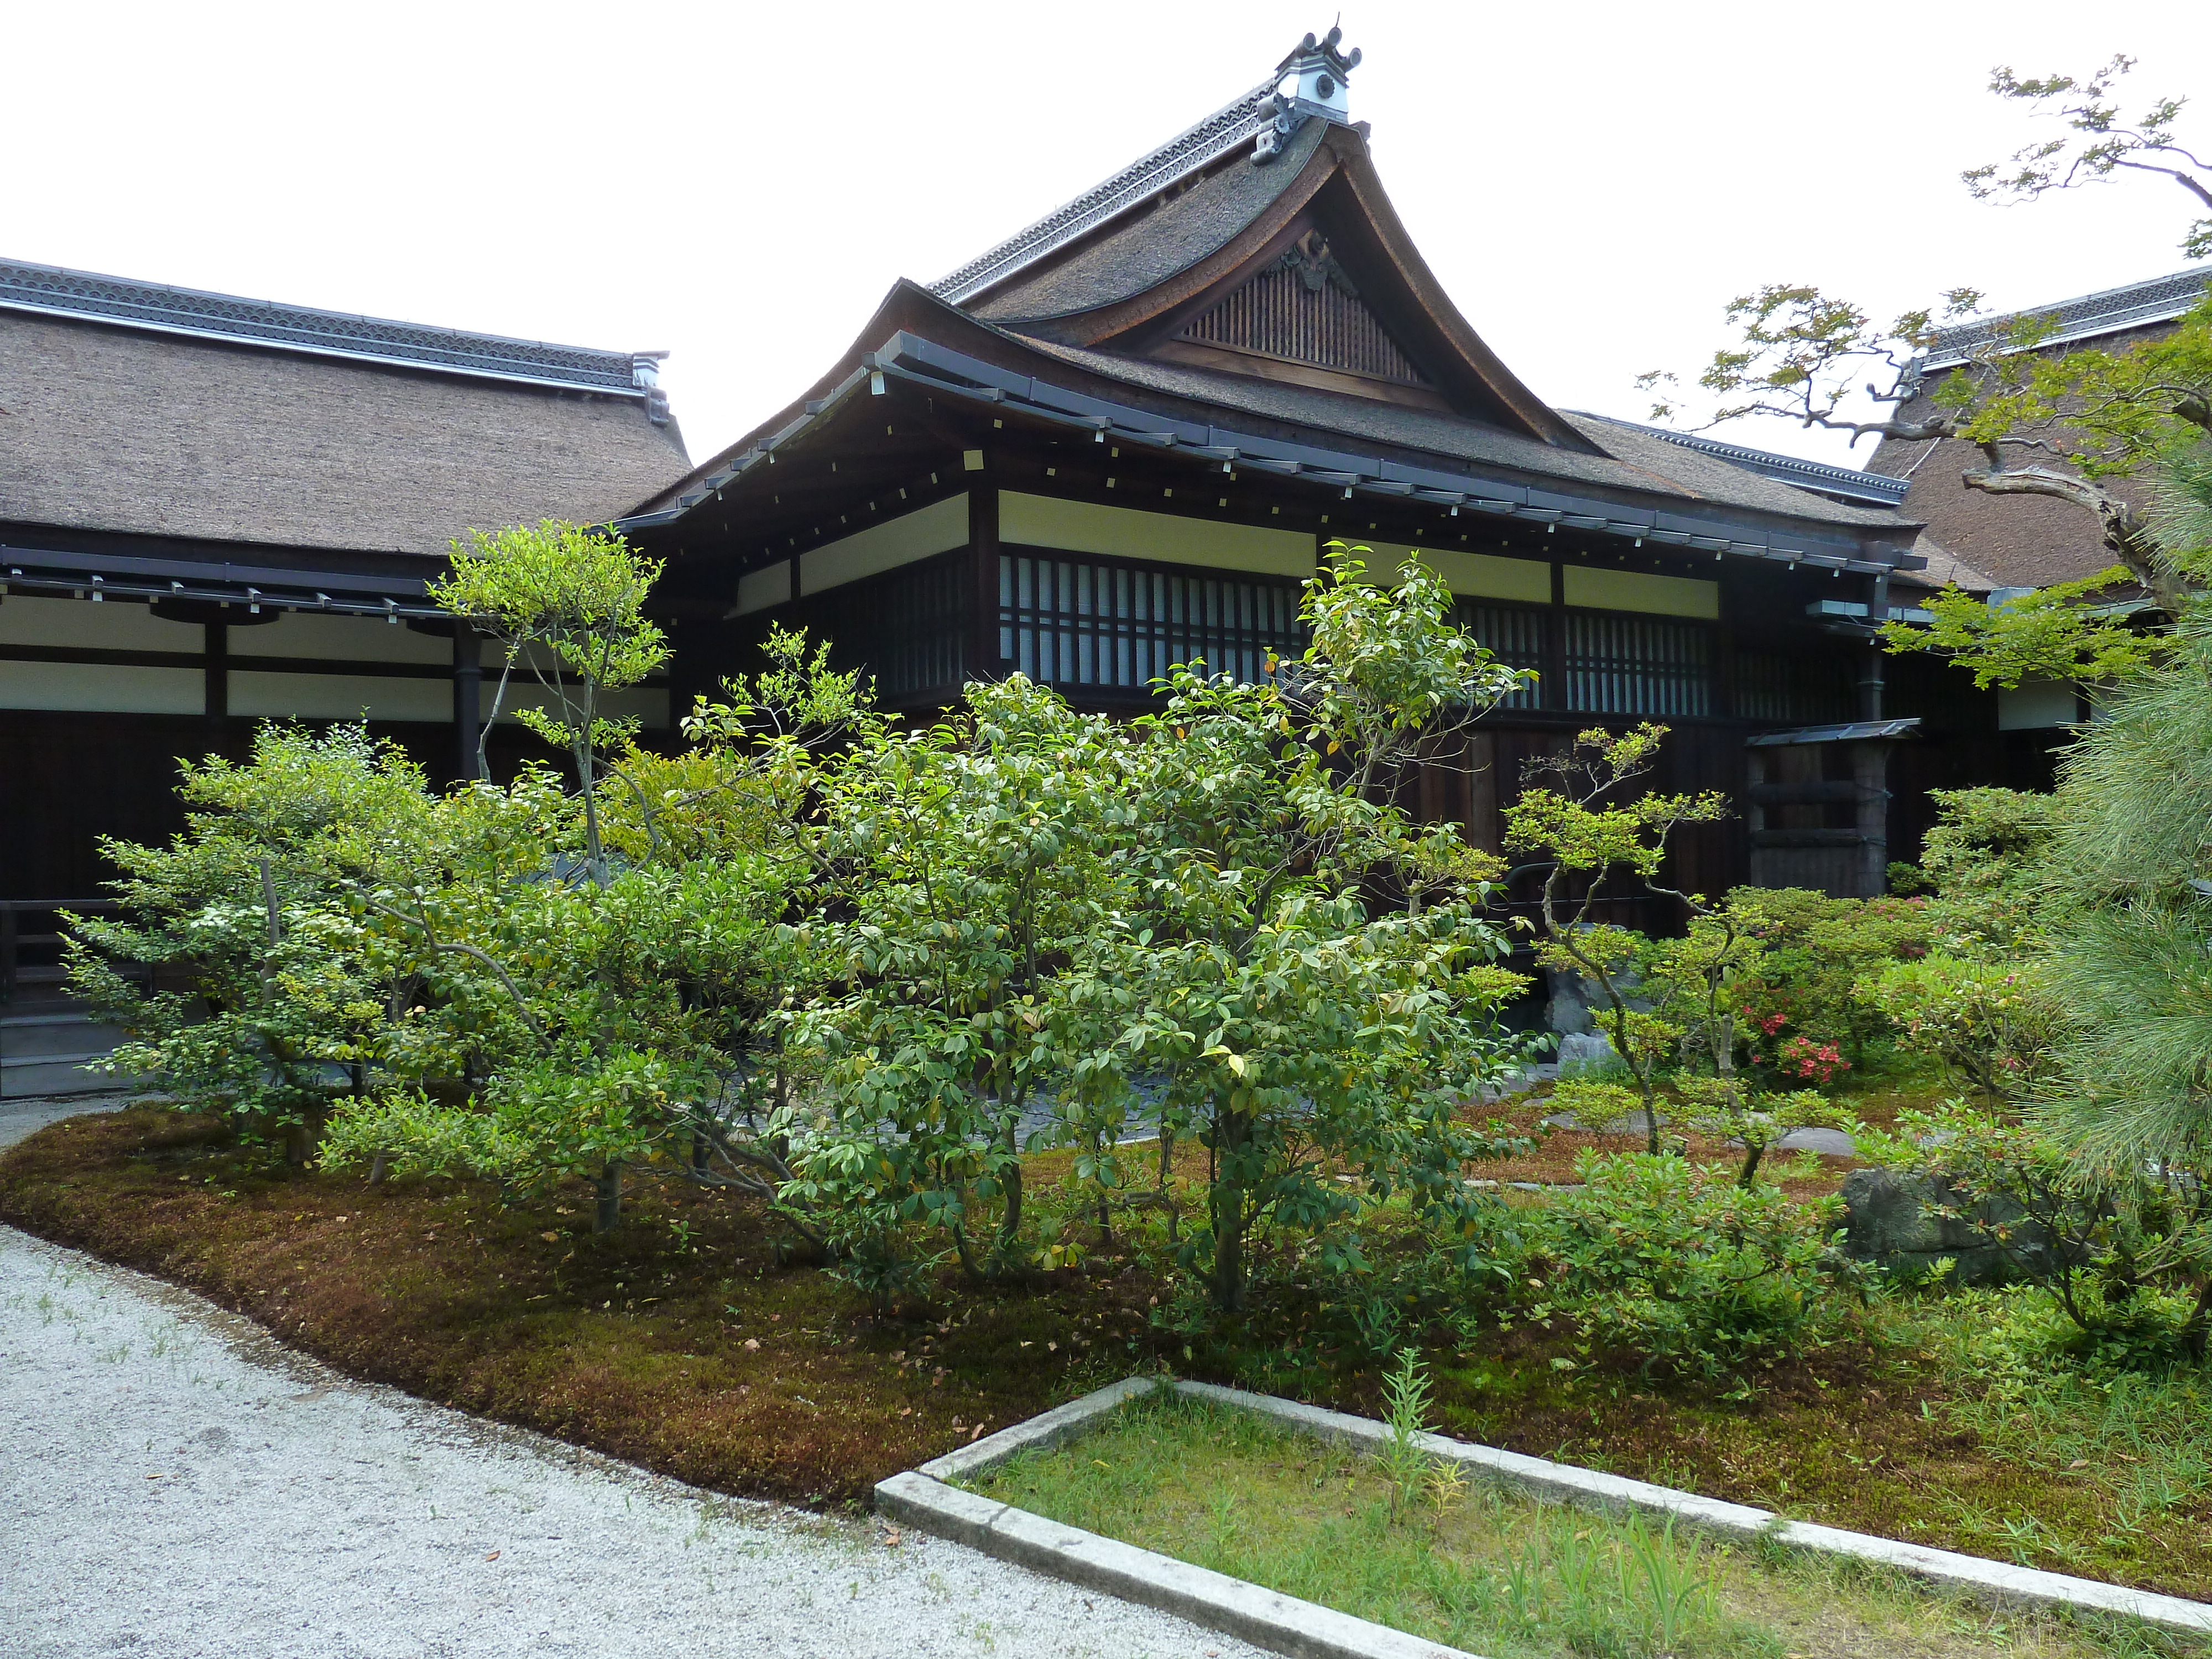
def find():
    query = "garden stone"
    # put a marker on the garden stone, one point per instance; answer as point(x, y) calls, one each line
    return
point(1586, 1051)
point(1891, 1221)
point(1836, 1143)
point(1569, 1010)
point(1635, 1123)
point(1575, 1001)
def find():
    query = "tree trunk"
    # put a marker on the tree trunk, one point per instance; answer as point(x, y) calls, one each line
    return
point(1010, 1222)
point(1618, 1019)
point(2127, 533)
point(1167, 1170)
point(607, 1185)
point(300, 1138)
point(1235, 1130)
point(594, 854)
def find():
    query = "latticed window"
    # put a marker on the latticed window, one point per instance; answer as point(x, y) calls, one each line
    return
point(1794, 688)
point(1514, 636)
point(910, 628)
point(1640, 665)
point(1070, 622)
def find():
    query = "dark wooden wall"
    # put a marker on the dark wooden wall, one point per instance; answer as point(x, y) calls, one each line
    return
point(73, 778)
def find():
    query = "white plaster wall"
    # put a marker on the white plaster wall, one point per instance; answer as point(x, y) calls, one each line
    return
point(938, 528)
point(88, 690)
point(80, 624)
point(1594, 588)
point(1127, 532)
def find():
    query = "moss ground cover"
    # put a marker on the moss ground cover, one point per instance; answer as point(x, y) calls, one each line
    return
point(688, 1341)
point(1487, 1571)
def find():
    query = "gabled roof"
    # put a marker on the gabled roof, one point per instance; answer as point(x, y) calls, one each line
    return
point(1132, 264)
point(1850, 484)
point(1107, 319)
point(1342, 445)
point(1229, 128)
point(128, 302)
point(136, 425)
point(2085, 317)
point(1128, 258)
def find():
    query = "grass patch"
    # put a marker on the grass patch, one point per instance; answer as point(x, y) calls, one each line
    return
point(1483, 1569)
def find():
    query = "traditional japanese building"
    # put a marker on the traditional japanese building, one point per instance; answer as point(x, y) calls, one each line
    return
point(214, 510)
point(1117, 441)
point(1121, 438)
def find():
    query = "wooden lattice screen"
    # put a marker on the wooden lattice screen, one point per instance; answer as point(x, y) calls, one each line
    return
point(1304, 310)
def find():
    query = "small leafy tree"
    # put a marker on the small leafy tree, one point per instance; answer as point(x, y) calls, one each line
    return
point(1591, 828)
point(971, 860)
point(1726, 1109)
point(1988, 858)
point(1996, 1025)
point(569, 606)
point(2124, 1254)
point(1290, 1024)
point(287, 996)
point(639, 1022)
point(1698, 981)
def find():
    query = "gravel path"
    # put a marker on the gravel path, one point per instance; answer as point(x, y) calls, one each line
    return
point(174, 1481)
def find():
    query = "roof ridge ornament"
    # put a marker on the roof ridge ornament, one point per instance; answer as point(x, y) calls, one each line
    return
point(1310, 81)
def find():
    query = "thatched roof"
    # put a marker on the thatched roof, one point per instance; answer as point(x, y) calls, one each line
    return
point(128, 407)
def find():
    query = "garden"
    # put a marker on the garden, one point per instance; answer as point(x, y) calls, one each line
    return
point(785, 1110)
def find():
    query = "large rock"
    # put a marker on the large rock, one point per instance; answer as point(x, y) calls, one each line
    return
point(1586, 1053)
point(1576, 1004)
point(1568, 1011)
point(1893, 1221)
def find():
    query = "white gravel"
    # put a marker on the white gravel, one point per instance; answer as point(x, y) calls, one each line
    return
point(174, 1481)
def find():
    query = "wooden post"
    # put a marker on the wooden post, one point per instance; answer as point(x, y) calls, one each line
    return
point(468, 689)
point(1870, 665)
point(981, 657)
point(1870, 760)
point(217, 671)
point(1870, 773)
point(1551, 691)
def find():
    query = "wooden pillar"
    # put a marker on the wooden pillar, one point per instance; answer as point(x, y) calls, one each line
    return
point(1482, 827)
point(1552, 690)
point(1871, 662)
point(1870, 776)
point(468, 689)
point(979, 657)
point(216, 670)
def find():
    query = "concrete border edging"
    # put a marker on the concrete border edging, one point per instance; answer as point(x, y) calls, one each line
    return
point(1566, 1483)
point(923, 1499)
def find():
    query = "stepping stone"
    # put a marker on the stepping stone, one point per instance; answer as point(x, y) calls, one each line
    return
point(1636, 1123)
point(1836, 1143)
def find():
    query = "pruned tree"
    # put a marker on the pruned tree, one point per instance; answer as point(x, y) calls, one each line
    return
point(569, 604)
point(2061, 425)
point(2098, 143)
point(1591, 822)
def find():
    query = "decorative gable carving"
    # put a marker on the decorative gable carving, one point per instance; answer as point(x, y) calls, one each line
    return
point(1305, 309)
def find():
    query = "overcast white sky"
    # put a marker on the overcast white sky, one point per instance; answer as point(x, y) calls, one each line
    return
point(740, 184)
